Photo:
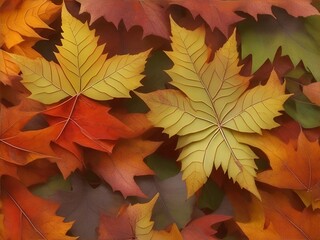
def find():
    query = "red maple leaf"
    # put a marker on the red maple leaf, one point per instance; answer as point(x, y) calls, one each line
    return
point(148, 14)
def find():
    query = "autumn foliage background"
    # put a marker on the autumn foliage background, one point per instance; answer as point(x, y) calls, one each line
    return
point(160, 119)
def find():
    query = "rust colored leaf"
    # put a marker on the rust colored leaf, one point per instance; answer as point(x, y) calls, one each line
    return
point(83, 121)
point(295, 165)
point(125, 162)
point(201, 229)
point(1, 222)
point(301, 8)
point(249, 215)
point(66, 161)
point(289, 222)
point(292, 168)
point(150, 15)
point(20, 147)
point(29, 217)
point(216, 13)
point(221, 13)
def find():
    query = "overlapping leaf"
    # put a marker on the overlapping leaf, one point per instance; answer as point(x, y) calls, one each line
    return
point(134, 221)
point(84, 205)
point(148, 14)
point(289, 222)
point(201, 228)
point(213, 106)
point(86, 122)
point(29, 217)
point(17, 147)
point(19, 18)
point(213, 109)
point(125, 162)
point(221, 14)
point(294, 165)
point(83, 68)
point(297, 38)
point(217, 13)
point(299, 106)
point(83, 71)
point(250, 216)
point(173, 205)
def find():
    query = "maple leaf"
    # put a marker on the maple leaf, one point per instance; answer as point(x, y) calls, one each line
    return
point(18, 21)
point(83, 68)
point(29, 217)
point(83, 71)
point(213, 106)
point(293, 167)
point(297, 38)
point(200, 228)
point(87, 126)
point(173, 205)
point(150, 15)
point(20, 147)
point(283, 215)
point(221, 13)
point(126, 161)
point(22, 153)
point(312, 91)
point(84, 121)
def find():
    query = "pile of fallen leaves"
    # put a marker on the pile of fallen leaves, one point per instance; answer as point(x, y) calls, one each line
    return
point(164, 119)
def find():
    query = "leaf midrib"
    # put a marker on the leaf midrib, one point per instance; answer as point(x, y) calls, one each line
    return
point(219, 125)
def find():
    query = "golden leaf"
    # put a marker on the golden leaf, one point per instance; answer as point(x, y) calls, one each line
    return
point(215, 104)
point(82, 69)
point(18, 22)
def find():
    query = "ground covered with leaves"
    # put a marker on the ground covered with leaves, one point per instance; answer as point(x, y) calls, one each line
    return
point(164, 119)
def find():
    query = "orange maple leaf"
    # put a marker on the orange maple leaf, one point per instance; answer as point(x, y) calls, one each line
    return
point(125, 162)
point(29, 217)
point(18, 147)
point(18, 20)
point(295, 165)
point(287, 220)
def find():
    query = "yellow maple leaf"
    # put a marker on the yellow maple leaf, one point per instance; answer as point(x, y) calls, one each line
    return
point(83, 68)
point(18, 21)
point(213, 105)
